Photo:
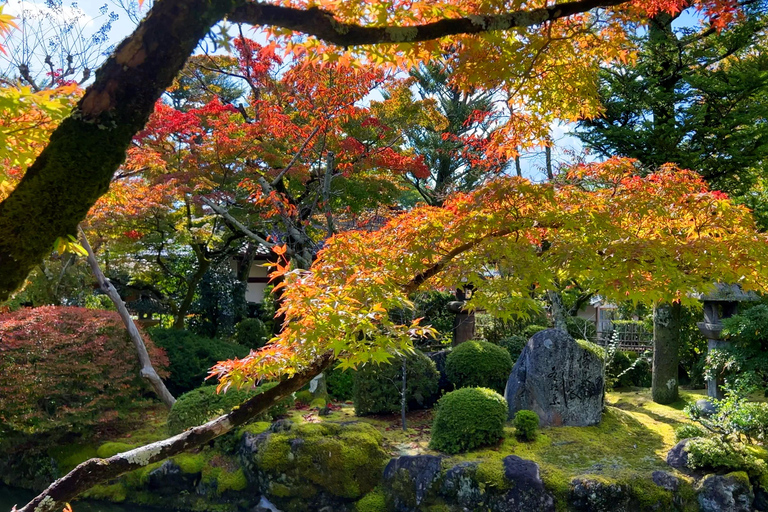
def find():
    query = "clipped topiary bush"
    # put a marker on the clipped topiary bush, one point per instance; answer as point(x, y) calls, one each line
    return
point(377, 387)
point(204, 404)
point(479, 364)
point(340, 383)
point(64, 370)
point(526, 425)
point(191, 356)
point(468, 418)
point(252, 333)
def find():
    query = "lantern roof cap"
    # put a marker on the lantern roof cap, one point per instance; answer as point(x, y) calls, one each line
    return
point(726, 293)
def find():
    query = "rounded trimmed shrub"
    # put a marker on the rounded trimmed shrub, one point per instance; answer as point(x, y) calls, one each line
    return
point(468, 418)
point(526, 425)
point(204, 404)
point(377, 387)
point(191, 356)
point(479, 364)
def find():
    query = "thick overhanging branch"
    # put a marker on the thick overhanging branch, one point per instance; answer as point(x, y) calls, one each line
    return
point(94, 471)
point(437, 267)
point(323, 25)
point(76, 166)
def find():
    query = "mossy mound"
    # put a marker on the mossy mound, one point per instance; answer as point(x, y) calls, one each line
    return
point(315, 464)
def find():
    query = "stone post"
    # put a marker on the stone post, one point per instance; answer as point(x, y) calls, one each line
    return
point(464, 321)
point(723, 302)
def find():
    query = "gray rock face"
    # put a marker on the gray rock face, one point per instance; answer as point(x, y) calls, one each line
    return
point(666, 480)
point(677, 457)
point(527, 491)
point(725, 493)
point(590, 495)
point(558, 379)
point(416, 483)
point(168, 479)
point(409, 479)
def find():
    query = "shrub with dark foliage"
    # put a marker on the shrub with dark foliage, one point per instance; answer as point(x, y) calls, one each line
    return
point(479, 364)
point(468, 418)
point(340, 383)
point(377, 387)
point(252, 333)
point(514, 345)
point(191, 356)
point(204, 404)
point(65, 369)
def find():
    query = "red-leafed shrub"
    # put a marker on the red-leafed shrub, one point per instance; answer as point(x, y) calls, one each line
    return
point(65, 369)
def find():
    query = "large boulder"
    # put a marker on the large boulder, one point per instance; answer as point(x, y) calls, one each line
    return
point(725, 493)
point(408, 480)
point(315, 466)
point(558, 378)
point(421, 483)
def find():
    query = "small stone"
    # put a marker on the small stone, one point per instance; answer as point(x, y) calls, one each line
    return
point(666, 480)
point(706, 407)
point(725, 493)
point(559, 379)
point(677, 457)
point(265, 505)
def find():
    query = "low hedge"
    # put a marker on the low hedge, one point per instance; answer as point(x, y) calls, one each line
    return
point(191, 356)
point(468, 418)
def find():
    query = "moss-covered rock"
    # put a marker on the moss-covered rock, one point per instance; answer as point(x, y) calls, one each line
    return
point(720, 493)
point(598, 494)
point(314, 465)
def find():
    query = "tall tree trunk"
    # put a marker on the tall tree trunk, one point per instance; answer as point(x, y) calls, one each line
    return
point(518, 167)
point(666, 341)
point(555, 299)
point(548, 161)
point(203, 264)
point(147, 370)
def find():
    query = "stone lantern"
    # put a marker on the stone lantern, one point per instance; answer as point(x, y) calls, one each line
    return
point(721, 303)
point(464, 322)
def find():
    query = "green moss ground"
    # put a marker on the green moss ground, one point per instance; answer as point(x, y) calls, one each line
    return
point(625, 448)
point(629, 444)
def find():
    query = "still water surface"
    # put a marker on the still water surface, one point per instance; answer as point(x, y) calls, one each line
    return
point(10, 496)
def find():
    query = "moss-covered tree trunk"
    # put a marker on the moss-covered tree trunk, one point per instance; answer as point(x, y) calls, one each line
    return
point(77, 165)
point(666, 341)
